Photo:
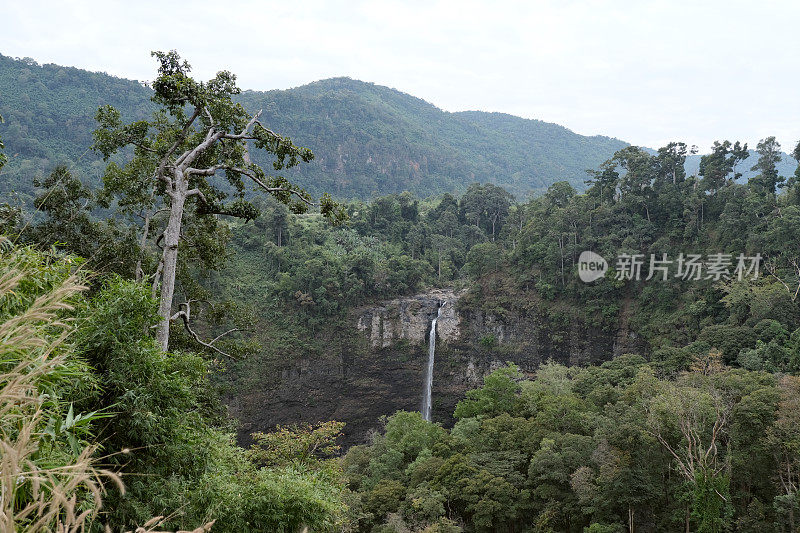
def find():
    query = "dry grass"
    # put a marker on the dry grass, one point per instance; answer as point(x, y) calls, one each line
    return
point(153, 523)
point(35, 497)
point(63, 495)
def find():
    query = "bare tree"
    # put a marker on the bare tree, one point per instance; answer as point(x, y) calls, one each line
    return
point(691, 424)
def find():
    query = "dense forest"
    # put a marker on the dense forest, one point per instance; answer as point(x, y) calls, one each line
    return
point(111, 403)
point(369, 140)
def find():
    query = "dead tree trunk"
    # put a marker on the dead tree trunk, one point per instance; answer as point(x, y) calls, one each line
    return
point(172, 237)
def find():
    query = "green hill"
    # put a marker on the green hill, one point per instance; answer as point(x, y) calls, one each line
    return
point(368, 139)
point(49, 118)
point(372, 140)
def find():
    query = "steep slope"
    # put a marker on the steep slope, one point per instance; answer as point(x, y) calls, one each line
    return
point(374, 140)
point(368, 139)
point(49, 117)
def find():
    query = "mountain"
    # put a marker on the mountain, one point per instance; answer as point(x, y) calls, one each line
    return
point(49, 117)
point(372, 140)
point(368, 139)
point(786, 166)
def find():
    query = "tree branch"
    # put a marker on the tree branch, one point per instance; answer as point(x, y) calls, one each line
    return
point(212, 170)
point(142, 146)
point(269, 131)
point(264, 186)
point(197, 192)
point(181, 137)
point(189, 156)
point(185, 314)
point(243, 134)
point(772, 269)
point(208, 115)
point(156, 279)
point(218, 337)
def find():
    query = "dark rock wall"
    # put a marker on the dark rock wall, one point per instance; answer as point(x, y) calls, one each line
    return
point(379, 367)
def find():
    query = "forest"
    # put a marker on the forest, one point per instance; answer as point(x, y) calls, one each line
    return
point(130, 309)
point(368, 140)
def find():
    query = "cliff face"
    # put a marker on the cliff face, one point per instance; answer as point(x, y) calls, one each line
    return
point(375, 369)
point(409, 319)
point(378, 367)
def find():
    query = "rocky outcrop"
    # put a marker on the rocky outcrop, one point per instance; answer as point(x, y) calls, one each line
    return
point(531, 340)
point(377, 366)
point(409, 319)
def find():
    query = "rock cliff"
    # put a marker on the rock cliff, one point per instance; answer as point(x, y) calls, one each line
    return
point(377, 366)
point(409, 319)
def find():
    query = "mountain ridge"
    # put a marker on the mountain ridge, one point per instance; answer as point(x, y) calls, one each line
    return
point(369, 139)
point(434, 150)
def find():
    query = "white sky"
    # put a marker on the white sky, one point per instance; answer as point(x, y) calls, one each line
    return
point(644, 71)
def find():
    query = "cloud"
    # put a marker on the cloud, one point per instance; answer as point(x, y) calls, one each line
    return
point(646, 71)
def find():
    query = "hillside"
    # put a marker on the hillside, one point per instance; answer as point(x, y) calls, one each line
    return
point(49, 117)
point(368, 139)
point(373, 140)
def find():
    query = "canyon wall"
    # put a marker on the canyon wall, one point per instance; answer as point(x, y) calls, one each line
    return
point(378, 363)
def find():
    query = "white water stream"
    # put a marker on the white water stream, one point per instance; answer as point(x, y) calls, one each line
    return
point(426, 398)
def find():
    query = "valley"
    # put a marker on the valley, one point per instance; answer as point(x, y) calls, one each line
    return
point(372, 319)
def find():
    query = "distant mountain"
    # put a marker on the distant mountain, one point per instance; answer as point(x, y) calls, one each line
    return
point(49, 117)
point(368, 139)
point(372, 140)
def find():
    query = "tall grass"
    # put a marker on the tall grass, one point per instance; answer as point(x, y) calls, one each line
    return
point(43, 487)
point(37, 491)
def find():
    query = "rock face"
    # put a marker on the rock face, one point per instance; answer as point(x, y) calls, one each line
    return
point(354, 386)
point(373, 370)
point(409, 319)
point(378, 366)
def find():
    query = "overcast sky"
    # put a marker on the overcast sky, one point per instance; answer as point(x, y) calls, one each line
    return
point(643, 71)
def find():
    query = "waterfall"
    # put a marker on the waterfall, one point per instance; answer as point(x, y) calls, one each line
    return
point(426, 397)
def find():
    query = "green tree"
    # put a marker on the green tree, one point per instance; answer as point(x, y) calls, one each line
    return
point(310, 446)
point(716, 167)
point(497, 203)
point(3, 157)
point(784, 439)
point(198, 133)
point(487, 204)
point(499, 394)
point(559, 194)
point(769, 155)
point(483, 259)
point(67, 204)
point(603, 183)
point(670, 163)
